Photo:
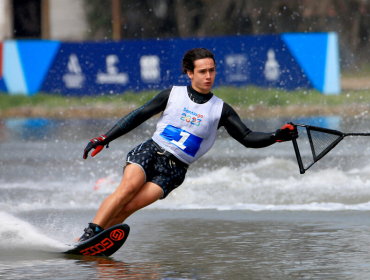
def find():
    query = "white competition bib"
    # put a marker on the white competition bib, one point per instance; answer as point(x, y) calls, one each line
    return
point(187, 129)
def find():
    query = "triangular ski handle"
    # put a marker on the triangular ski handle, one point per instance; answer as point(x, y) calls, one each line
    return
point(332, 131)
point(341, 135)
point(321, 129)
point(316, 158)
point(297, 153)
point(298, 156)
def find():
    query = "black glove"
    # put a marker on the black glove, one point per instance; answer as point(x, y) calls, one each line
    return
point(287, 133)
point(97, 144)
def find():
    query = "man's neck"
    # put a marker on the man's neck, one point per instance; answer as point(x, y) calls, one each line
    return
point(198, 97)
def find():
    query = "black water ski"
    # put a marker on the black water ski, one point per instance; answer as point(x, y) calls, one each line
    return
point(104, 244)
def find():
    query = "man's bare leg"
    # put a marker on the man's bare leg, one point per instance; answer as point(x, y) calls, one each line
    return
point(148, 194)
point(133, 179)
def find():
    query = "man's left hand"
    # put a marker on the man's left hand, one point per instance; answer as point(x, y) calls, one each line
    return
point(287, 133)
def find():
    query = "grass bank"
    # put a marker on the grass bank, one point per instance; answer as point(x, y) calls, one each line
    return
point(248, 101)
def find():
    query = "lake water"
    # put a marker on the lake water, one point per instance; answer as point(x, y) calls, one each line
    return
point(240, 214)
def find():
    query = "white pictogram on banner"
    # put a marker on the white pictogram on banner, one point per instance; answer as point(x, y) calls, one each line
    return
point(150, 69)
point(272, 68)
point(74, 78)
point(236, 67)
point(112, 76)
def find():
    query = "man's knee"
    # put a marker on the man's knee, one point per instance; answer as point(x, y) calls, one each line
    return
point(130, 208)
point(126, 189)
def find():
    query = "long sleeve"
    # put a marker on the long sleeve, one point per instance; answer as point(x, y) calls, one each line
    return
point(240, 132)
point(138, 116)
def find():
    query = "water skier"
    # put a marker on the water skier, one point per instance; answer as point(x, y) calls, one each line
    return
point(186, 130)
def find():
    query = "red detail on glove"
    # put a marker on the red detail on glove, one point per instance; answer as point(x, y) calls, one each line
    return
point(97, 150)
point(289, 126)
point(97, 144)
point(99, 139)
point(286, 126)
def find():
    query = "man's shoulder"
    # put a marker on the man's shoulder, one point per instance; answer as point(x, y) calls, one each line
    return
point(166, 90)
point(218, 98)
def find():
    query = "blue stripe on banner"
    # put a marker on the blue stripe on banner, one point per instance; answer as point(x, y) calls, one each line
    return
point(310, 52)
point(332, 68)
point(12, 71)
point(182, 139)
point(36, 57)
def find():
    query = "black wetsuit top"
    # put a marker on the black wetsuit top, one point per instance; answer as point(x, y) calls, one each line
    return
point(229, 119)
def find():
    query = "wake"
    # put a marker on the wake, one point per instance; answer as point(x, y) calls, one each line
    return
point(19, 235)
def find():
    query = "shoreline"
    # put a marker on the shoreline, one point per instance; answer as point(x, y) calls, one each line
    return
point(354, 101)
point(259, 111)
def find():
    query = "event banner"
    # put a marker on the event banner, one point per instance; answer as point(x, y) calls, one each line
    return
point(287, 61)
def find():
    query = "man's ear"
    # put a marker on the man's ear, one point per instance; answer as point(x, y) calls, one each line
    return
point(190, 74)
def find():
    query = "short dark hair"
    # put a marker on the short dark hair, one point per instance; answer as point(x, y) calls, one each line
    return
point(195, 54)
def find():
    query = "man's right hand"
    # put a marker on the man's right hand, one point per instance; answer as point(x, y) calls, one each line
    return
point(97, 144)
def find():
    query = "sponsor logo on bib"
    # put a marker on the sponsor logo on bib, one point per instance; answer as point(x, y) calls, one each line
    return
point(191, 117)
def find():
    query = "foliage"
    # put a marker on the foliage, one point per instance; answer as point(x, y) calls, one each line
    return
point(99, 18)
point(197, 18)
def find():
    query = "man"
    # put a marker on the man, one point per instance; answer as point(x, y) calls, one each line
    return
point(186, 130)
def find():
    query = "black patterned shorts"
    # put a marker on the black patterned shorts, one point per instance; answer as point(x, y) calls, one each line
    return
point(159, 169)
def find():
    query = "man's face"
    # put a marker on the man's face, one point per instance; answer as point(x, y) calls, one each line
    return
point(204, 74)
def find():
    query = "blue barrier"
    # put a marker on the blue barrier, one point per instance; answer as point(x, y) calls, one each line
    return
point(287, 61)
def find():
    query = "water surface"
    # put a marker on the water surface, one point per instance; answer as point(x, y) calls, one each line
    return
point(240, 214)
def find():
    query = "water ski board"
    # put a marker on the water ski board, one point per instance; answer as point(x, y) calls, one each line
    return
point(104, 244)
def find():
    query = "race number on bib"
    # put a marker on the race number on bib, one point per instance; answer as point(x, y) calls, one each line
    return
point(184, 140)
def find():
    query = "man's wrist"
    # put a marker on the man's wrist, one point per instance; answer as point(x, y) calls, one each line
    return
point(274, 135)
